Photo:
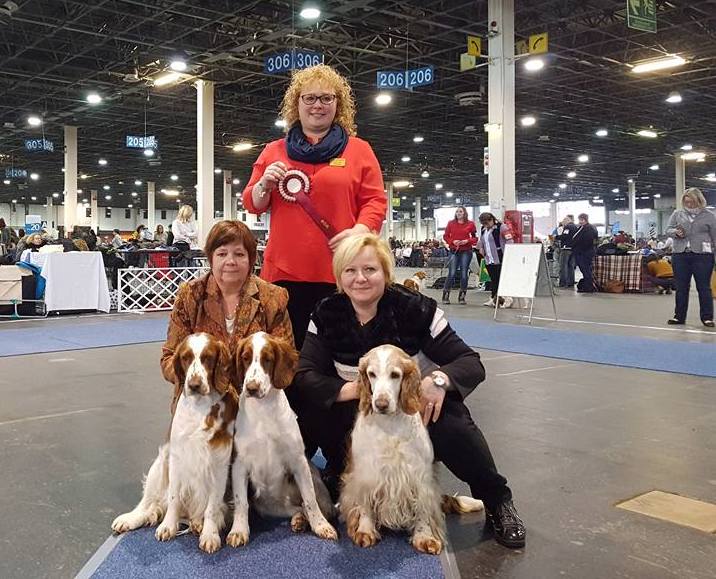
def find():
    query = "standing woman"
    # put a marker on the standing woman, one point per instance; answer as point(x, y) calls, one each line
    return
point(160, 235)
point(461, 237)
point(694, 231)
point(184, 227)
point(493, 238)
point(345, 189)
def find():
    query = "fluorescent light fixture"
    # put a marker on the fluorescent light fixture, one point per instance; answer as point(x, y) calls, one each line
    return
point(239, 147)
point(647, 133)
point(6, 181)
point(711, 175)
point(534, 64)
point(615, 190)
point(55, 195)
point(84, 200)
point(630, 180)
point(33, 198)
point(438, 186)
point(710, 178)
point(236, 181)
point(14, 200)
point(106, 187)
point(170, 192)
point(527, 121)
point(583, 158)
point(674, 98)
point(595, 198)
point(217, 170)
point(686, 147)
point(383, 99)
point(425, 174)
point(79, 190)
point(310, 13)
point(178, 65)
point(654, 167)
point(280, 123)
point(644, 197)
point(658, 64)
point(129, 206)
point(63, 169)
point(93, 98)
point(601, 133)
point(107, 197)
point(102, 162)
point(148, 152)
point(34, 121)
point(693, 156)
point(657, 195)
point(555, 194)
point(83, 176)
point(418, 139)
point(34, 176)
point(448, 194)
point(405, 159)
point(571, 175)
point(174, 177)
point(134, 193)
point(167, 78)
point(399, 184)
point(562, 185)
point(137, 182)
point(404, 197)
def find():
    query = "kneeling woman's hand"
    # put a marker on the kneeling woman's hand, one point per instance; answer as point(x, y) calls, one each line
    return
point(431, 400)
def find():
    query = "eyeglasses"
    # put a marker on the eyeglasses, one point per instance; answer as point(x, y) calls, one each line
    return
point(310, 99)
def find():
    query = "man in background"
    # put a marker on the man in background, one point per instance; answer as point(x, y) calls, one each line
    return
point(583, 242)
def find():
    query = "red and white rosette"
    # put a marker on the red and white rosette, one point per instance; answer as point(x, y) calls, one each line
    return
point(293, 182)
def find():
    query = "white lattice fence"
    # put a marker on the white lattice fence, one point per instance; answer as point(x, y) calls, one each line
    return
point(152, 289)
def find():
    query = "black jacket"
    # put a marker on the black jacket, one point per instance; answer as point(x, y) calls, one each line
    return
point(405, 319)
point(584, 238)
point(565, 239)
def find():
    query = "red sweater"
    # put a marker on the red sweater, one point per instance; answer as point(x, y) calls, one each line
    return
point(344, 195)
point(456, 231)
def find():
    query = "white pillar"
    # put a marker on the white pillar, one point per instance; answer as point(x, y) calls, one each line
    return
point(680, 179)
point(151, 217)
point(70, 212)
point(94, 210)
point(228, 209)
point(50, 213)
point(205, 157)
point(501, 107)
point(418, 220)
point(389, 212)
point(552, 216)
point(632, 206)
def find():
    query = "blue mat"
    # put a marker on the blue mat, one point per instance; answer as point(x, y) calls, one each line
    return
point(273, 551)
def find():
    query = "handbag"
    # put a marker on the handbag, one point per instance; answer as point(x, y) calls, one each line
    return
point(614, 286)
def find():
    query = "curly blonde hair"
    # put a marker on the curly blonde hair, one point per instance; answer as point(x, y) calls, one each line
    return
point(325, 76)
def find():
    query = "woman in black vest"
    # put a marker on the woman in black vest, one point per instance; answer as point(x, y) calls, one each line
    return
point(493, 238)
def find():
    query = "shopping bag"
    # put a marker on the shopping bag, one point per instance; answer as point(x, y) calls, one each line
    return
point(484, 275)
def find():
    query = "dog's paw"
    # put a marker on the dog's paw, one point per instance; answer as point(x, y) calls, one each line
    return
point(365, 539)
point(196, 526)
point(299, 523)
point(127, 522)
point(154, 515)
point(165, 532)
point(237, 538)
point(326, 531)
point(427, 544)
point(210, 542)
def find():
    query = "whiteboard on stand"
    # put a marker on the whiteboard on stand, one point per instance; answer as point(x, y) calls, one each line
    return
point(520, 270)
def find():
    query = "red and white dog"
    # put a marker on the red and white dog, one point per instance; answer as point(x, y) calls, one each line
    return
point(390, 480)
point(269, 449)
point(417, 282)
point(189, 476)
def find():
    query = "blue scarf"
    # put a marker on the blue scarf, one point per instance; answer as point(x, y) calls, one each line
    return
point(299, 148)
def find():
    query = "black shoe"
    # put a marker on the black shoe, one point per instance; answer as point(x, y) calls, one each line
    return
point(675, 322)
point(461, 298)
point(708, 323)
point(446, 297)
point(508, 527)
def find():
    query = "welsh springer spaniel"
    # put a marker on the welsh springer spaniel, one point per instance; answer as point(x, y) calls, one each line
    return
point(189, 476)
point(416, 282)
point(390, 480)
point(269, 449)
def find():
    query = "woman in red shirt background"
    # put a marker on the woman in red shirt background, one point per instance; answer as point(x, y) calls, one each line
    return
point(461, 237)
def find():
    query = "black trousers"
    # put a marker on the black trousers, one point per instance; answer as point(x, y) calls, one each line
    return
point(494, 270)
point(302, 298)
point(457, 442)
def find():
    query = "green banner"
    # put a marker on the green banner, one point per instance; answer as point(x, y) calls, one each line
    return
point(641, 15)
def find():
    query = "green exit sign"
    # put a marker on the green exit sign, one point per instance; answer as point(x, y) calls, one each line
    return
point(641, 15)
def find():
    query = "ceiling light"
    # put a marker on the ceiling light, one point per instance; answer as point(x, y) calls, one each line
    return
point(170, 192)
point(438, 186)
point(33, 198)
point(405, 159)
point(93, 98)
point(84, 200)
point(310, 13)
point(238, 147)
point(174, 177)
point(63, 169)
point(571, 175)
point(34, 176)
point(693, 156)
point(595, 198)
point(34, 121)
point(148, 152)
point(102, 162)
point(399, 184)
point(167, 78)
point(236, 181)
point(425, 174)
point(686, 147)
point(107, 197)
point(130, 206)
point(583, 158)
point(418, 139)
point(562, 185)
point(534, 64)
point(404, 197)
point(383, 99)
point(615, 190)
point(178, 65)
point(601, 133)
point(217, 170)
point(55, 195)
point(83, 176)
point(448, 194)
point(106, 187)
point(134, 193)
point(137, 182)
point(553, 201)
point(647, 133)
point(79, 190)
point(654, 167)
point(527, 121)
point(6, 181)
point(630, 180)
point(657, 195)
point(14, 201)
point(658, 64)
point(555, 194)
point(674, 98)
point(280, 123)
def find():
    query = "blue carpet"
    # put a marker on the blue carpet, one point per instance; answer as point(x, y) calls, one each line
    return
point(273, 551)
point(627, 351)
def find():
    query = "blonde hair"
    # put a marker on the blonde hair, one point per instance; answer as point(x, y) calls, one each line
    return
point(694, 193)
point(323, 75)
point(350, 247)
point(185, 213)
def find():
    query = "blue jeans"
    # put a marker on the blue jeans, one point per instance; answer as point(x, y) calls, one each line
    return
point(699, 265)
point(567, 264)
point(462, 260)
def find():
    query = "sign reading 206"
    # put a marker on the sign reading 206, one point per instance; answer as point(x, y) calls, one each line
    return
point(293, 59)
point(406, 78)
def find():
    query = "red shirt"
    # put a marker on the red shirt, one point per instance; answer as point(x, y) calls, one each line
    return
point(456, 231)
point(347, 192)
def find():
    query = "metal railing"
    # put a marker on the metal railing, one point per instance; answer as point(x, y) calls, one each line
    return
point(152, 289)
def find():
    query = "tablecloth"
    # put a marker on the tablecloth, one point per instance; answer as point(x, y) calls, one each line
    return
point(627, 268)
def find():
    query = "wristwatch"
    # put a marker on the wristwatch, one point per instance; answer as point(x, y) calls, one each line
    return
point(439, 380)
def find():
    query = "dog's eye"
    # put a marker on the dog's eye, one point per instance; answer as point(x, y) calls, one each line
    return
point(394, 375)
point(371, 374)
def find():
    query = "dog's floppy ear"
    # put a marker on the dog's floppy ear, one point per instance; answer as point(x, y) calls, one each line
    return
point(284, 365)
point(365, 391)
point(410, 386)
point(223, 375)
point(178, 365)
point(239, 364)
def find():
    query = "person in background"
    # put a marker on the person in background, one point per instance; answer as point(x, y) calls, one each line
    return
point(159, 235)
point(346, 189)
point(660, 273)
point(461, 237)
point(170, 236)
point(583, 246)
point(20, 233)
point(184, 227)
point(7, 236)
point(117, 240)
point(91, 240)
point(493, 238)
point(565, 232)
point(694, 231)
point(142, 233)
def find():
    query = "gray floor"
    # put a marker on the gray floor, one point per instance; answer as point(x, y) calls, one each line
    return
point(78, 429)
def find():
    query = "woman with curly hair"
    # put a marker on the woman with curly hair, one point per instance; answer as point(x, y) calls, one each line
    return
point(341, 178)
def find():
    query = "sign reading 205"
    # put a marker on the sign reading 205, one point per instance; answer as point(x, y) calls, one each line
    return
point(392, 79)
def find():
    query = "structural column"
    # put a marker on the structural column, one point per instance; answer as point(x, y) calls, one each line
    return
point(94, 211)
point(389, 212)
point(151, 217)
point(228, 209)
point(680, 179)
point(70, 213)
point(501, 107)
point(632, 206)
point(418, 220)
point(50, 214)
point(205, 157)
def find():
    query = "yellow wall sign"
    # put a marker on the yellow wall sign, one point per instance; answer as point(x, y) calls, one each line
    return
point(396, 201)
point(474, 45)
point(539, 43)
point(467, 62)
point(522, 47)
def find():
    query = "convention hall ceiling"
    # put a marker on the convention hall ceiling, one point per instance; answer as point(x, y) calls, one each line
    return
point(53, 53)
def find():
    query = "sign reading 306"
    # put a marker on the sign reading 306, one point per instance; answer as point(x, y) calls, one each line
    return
point(290, 60)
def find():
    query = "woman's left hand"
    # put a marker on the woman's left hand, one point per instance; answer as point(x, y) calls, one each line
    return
point(356, 229)
point(431, 400)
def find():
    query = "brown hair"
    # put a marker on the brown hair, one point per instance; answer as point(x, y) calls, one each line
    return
point(225, 232)
point(464, 213)
point(323, 75)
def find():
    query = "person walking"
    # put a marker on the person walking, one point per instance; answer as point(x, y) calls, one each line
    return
point(461, 237)
point(583, 242)
point(493, 238)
